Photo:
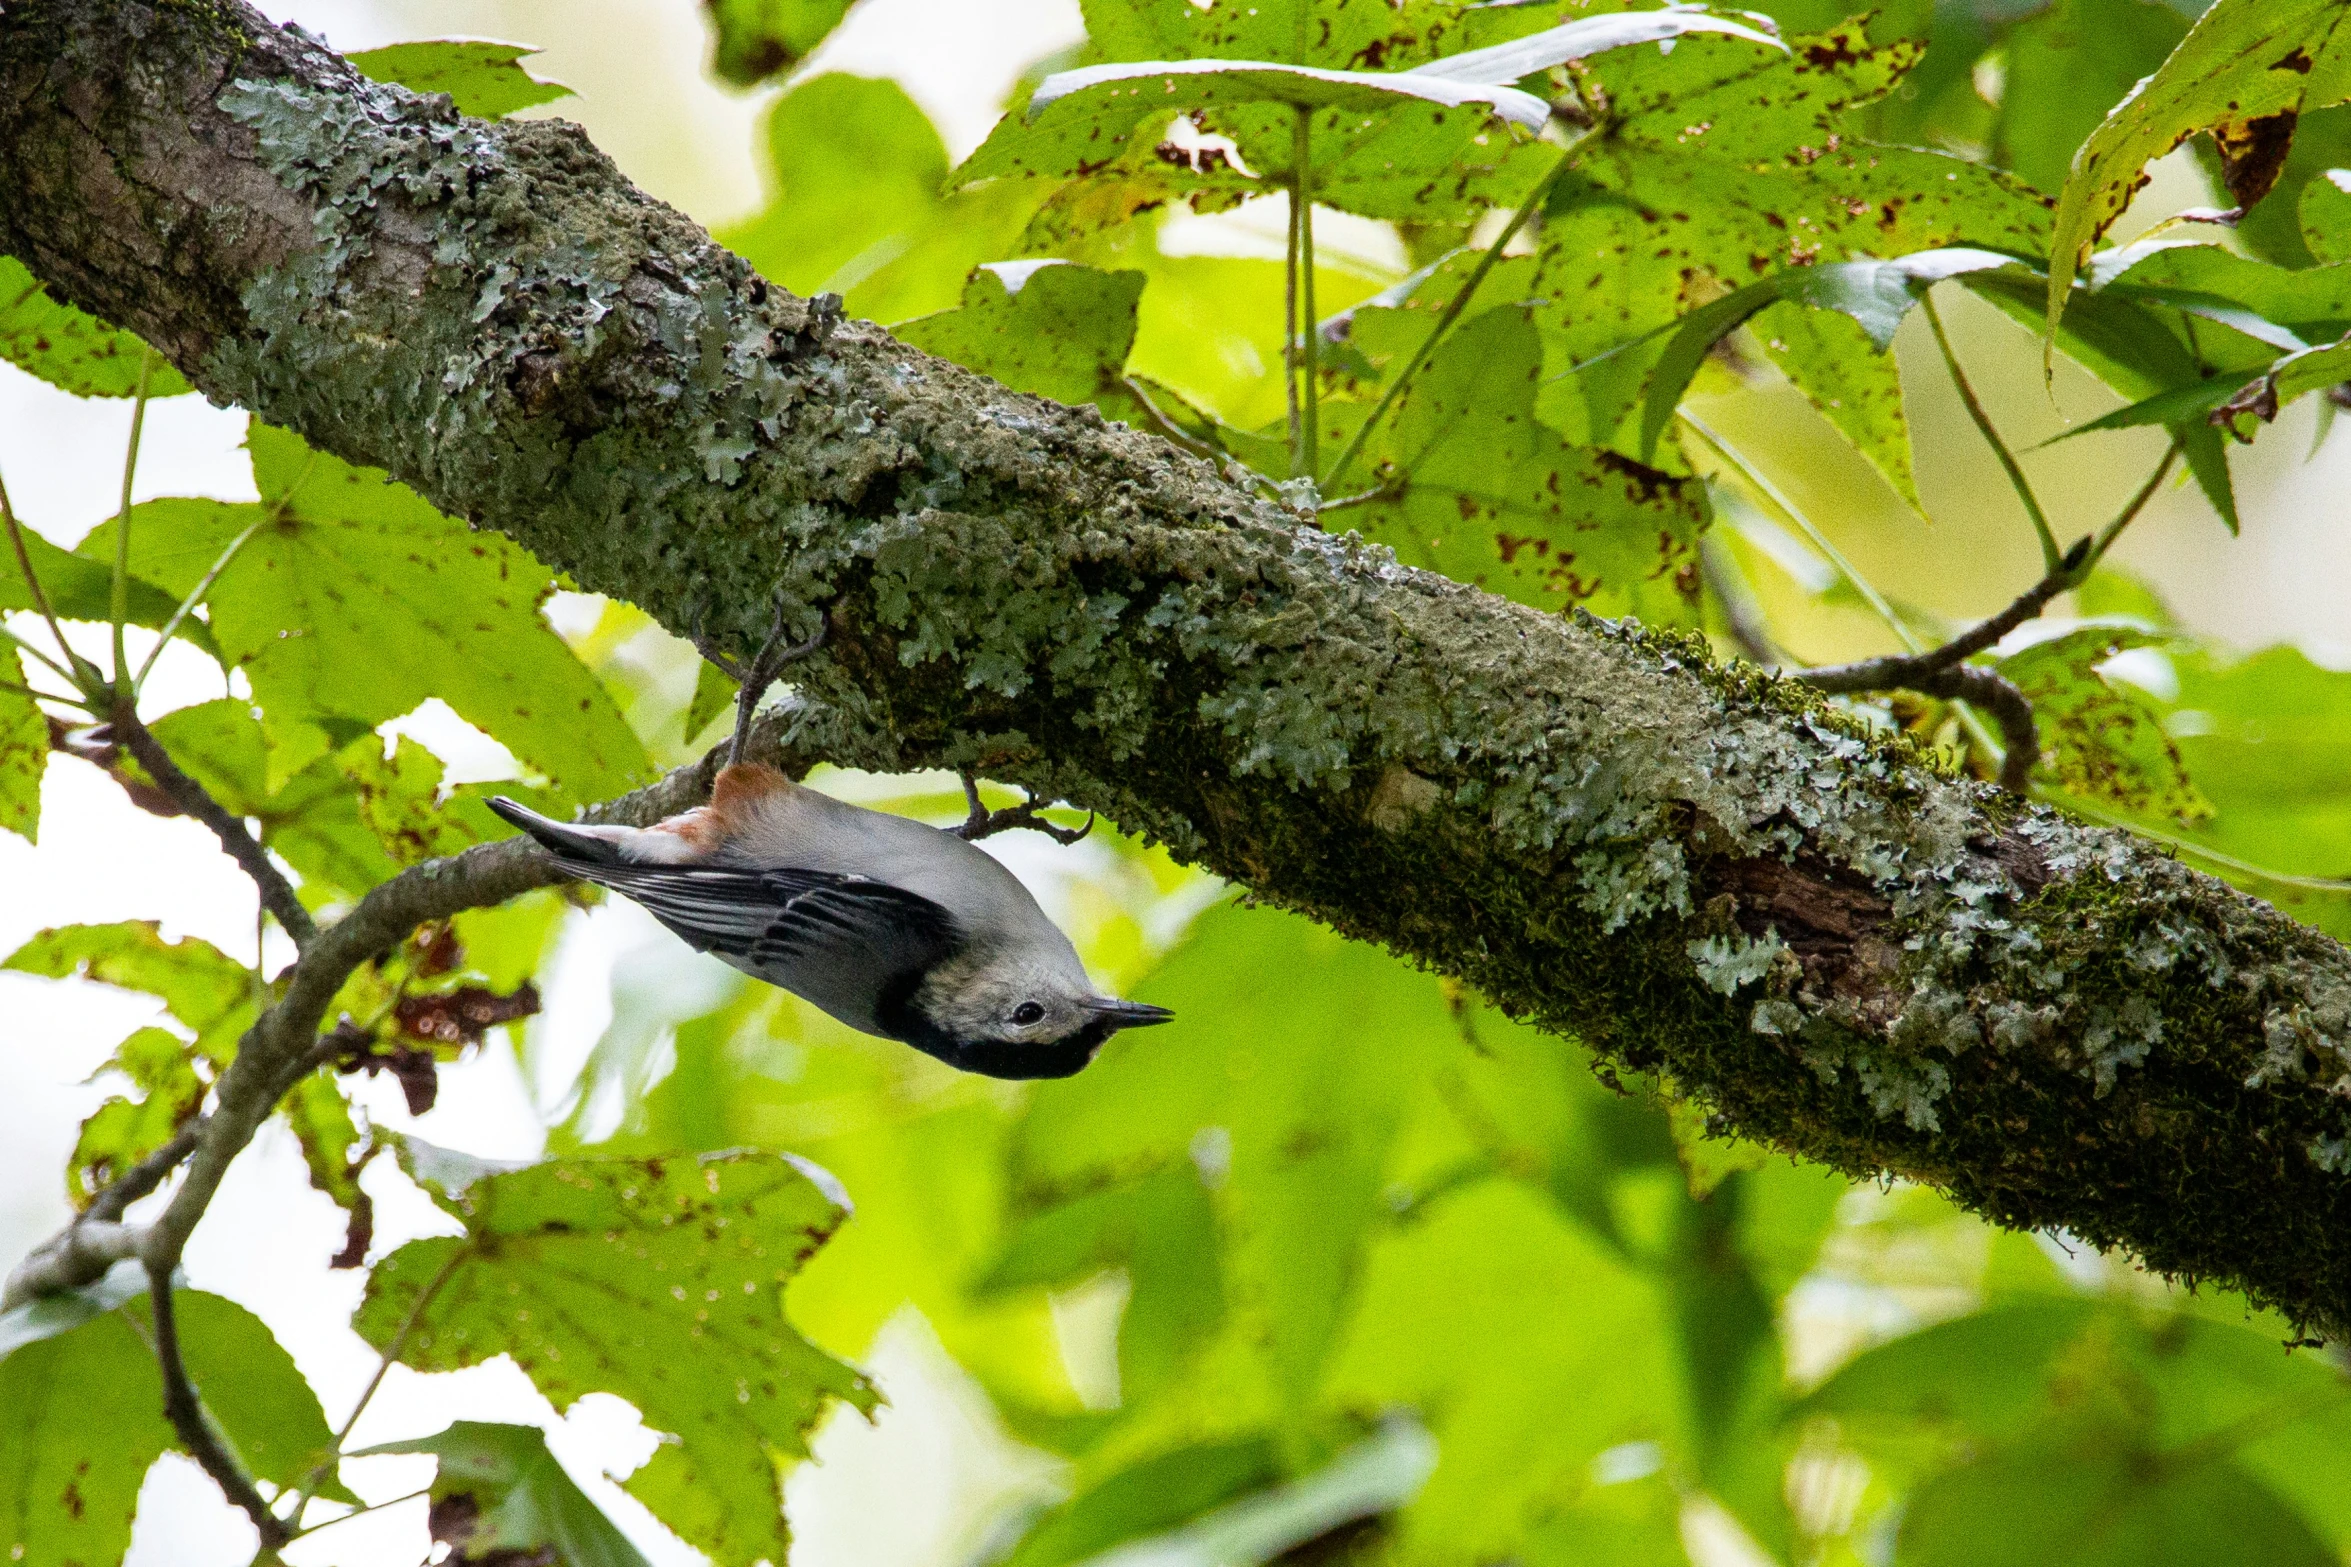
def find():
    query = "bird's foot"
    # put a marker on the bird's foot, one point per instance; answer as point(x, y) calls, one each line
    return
point(984, 823)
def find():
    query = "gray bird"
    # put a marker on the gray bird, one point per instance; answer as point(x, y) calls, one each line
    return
point(893, 927)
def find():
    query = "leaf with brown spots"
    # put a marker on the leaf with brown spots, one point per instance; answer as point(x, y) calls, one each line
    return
point(81, 1412)
point(2102, 738)
point(1718, 166)
point(24, 750)
point(501, 1500)
point(2244, 73)
point(357, 602)
point(658, 1280)
point(67, 348)
point(1481, 491)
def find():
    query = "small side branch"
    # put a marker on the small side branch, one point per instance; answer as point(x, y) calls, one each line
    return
point(1907, 670)
point(277, 894)
point(79, 1255)
point(1944, 671)
point(984, 823)
point(115, 1198)
point(186, 1413)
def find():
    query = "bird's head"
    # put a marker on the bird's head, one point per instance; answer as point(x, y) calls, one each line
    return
point(1017, 1019)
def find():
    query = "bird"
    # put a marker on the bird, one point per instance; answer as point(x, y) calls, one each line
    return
point(892, 926)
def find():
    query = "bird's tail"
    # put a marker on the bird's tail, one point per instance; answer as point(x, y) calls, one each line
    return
point(578, 846)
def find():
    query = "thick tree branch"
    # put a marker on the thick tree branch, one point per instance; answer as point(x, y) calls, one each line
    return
point(1703, 872)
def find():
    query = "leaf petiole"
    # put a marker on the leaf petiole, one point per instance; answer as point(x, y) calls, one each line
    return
point(1308, 344)
point(195, 597)
point(2052, 557)
point(1450, 314)
point(119, 606)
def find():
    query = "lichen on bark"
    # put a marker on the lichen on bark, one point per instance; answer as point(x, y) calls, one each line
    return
point(1700, 870)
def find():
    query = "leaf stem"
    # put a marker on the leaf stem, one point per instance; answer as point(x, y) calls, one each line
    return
point(1780, 503)
point(1290, 325)
point(32, 582)
point(2051, 555)
point(195, 597)
point(362, 1512)
point(1309, 341)
point(119, 605)
point(2131, 509)
point(399, 1341)
point(1445, 318)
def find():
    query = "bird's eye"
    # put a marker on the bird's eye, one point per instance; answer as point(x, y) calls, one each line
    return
point(1026, 1013)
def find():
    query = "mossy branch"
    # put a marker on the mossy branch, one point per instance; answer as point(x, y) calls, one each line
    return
point(1701, 871)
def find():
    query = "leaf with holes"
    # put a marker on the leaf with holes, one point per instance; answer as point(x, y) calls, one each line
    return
point(481, 77)
point(1057, 330)
point(311, 821)
point(1720, 166)
point(658, 1280)
point(1876, 295)
point(161, 1066)
point(69, 349)
point(202, 986)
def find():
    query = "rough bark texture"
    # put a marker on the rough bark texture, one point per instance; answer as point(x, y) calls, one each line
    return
point(1695, 869)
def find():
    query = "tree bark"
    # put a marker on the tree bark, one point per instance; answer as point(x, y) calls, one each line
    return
point(1698, 870)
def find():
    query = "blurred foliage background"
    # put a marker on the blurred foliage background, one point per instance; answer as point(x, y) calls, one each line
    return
point(1345, 1267)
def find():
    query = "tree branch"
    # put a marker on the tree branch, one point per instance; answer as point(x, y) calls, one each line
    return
point(1704, 872)
point(277, 894)
point(187, 1415)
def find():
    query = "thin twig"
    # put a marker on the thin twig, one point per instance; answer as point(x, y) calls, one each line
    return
point(186, 1413)
point(2131, 508)
point(2050, 554)
point(1943, 671)
point(79, 676)
point(116, 1196)
point(1446, 317)
point(119, 600)
point(1878, 674)
point(362, 1512)
point(384, 1363)
point(276, 893)
point(1309, 340)
point(1377, 492)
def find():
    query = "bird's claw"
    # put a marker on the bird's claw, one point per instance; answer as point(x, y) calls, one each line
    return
point(773, 658)
point(984, 823)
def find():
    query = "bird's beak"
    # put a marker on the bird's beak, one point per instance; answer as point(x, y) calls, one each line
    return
point(1129, 1014)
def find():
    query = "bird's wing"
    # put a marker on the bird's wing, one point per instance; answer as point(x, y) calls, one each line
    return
point(783, 920)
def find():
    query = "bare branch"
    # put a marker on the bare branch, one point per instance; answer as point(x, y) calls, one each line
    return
point(277, 894)
point(185, 1410)
point(78, 1255)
